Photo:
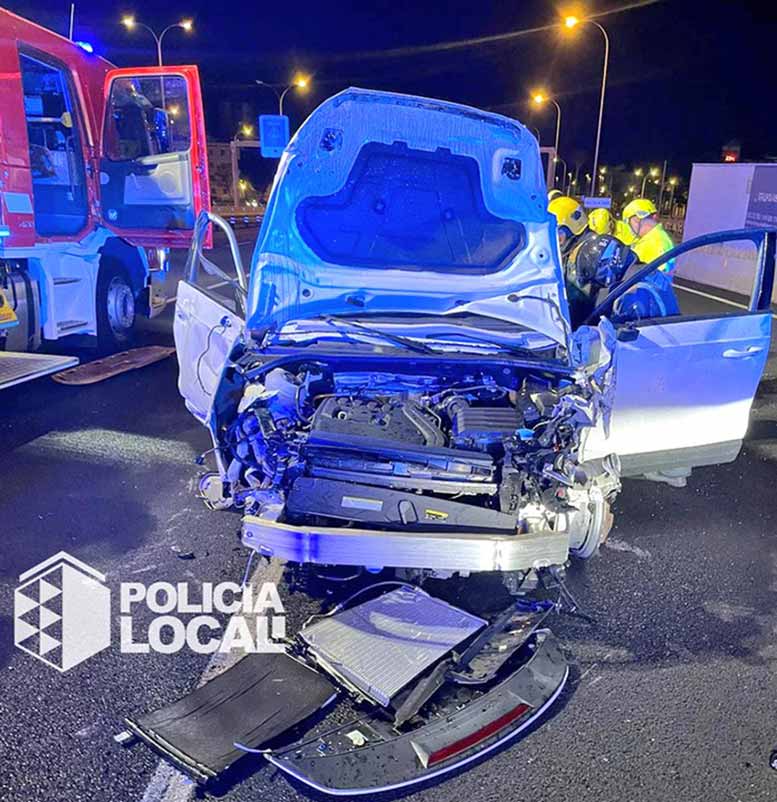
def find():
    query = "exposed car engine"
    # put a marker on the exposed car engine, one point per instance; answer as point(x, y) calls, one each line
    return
point(492, 450)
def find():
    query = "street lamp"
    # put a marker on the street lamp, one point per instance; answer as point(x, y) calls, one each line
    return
point(300, 82)
point(539, 99)
point(556, 160)
point(570, 22)
point(651, 173)
point(673, 182)
point(130, 23)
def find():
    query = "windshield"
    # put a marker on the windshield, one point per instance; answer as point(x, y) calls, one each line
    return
point(410, 209)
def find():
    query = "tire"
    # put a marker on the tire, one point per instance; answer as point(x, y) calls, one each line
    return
point(116, 308)
point(598, 524)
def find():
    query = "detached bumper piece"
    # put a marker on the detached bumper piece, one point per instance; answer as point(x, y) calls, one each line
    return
point(260, 697)
point(362, 758)
point(423, 688)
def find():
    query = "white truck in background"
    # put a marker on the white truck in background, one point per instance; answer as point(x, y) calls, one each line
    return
point(727, 197)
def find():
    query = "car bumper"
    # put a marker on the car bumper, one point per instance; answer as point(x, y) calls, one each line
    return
point(460, 551)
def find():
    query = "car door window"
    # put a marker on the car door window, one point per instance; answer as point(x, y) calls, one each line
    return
point(716, 275)
point(57, 164)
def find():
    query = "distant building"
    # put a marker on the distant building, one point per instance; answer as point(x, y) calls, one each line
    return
point(220, 171)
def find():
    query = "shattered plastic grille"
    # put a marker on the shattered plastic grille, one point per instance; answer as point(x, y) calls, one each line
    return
point(383, 644)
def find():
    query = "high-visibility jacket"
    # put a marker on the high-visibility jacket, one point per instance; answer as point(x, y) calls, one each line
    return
point(654, 244)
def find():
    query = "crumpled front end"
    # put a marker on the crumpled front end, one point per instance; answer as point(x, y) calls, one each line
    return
point(446, 464)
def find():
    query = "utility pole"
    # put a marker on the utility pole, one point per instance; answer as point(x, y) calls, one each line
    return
point(661, 191)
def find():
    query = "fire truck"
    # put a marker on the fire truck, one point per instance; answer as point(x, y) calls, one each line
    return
point(102, 172)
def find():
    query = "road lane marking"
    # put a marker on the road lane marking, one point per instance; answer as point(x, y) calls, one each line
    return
point(715, 298)
point(168, 784)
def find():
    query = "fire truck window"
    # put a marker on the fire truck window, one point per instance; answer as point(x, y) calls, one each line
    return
point(56, 156)
point(147, 117)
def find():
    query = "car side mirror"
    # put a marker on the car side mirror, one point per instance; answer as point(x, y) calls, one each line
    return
point(628, 333)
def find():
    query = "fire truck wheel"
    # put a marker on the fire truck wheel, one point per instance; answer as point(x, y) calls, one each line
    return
point(115, 308)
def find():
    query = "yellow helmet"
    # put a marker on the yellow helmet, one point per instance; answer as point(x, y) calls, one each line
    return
point(569, 214)
point(624, 233)
point(553, 194)
point(639, 207)
point(600, 221)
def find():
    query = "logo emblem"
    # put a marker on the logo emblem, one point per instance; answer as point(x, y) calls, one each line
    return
point(62, 612)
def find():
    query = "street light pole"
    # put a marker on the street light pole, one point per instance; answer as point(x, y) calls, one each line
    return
point(672, 185)
point(558, 125)
point(661, 192)
point(601, 100)
point(280, 99)
point(571, 22)
point(539, 98)
point(555, 170)
point(131, 22)
point(300, 83)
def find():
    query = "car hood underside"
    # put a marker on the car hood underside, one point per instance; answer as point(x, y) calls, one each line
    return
point(386, 203)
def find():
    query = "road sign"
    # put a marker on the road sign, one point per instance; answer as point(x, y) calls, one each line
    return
point(597, 203)
point(273, 134)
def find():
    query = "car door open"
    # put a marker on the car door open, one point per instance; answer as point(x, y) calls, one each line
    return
point(153, 165)
point(685, 384)
point(209, 318)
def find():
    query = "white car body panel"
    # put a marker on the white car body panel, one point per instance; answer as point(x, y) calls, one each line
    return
point(683, 384)
point(205, 332)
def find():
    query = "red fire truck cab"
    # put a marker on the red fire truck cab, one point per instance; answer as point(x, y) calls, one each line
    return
point(102, 170)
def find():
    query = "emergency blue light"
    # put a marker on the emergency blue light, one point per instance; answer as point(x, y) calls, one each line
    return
point(86, 46)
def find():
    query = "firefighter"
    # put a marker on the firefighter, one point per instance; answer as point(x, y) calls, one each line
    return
point(654, 296)
point(600, 221)
point(593, 269)
point(571, 221)
point(650, 237)
point(623, 232)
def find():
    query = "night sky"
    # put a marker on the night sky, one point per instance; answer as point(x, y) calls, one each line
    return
point(685, 77)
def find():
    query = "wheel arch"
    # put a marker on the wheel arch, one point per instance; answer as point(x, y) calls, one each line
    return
point(131, 258)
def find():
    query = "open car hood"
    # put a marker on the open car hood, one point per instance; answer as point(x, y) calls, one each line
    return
point(388, 203)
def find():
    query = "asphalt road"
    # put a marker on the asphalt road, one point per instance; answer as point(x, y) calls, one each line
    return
point(673, 693)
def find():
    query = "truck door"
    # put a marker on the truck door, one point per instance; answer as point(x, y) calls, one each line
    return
point(153, 165)
point(57, 167)
point(685, 383)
